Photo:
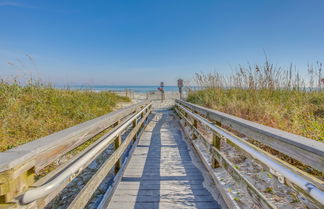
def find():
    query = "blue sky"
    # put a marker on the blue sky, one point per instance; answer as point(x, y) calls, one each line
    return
point(147, 41)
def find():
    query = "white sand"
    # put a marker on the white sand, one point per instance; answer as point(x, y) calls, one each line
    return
point(155, 97)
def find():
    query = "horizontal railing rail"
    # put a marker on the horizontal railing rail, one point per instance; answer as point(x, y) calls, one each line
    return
point(305, 150)
point(20, 166)
point(308, 185)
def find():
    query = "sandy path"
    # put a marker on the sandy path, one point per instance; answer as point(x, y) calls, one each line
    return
point(155, 97)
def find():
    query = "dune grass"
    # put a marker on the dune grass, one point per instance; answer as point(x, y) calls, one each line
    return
point(268, 95)
point(34, 110)
point(297, 112)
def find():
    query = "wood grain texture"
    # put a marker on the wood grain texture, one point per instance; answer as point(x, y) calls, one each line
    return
point(305, 150)
point(83, 197)
point(47, 149)
point(161, 173)
point(19, 165)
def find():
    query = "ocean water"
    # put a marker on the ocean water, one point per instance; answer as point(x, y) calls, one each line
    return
point(119, 88)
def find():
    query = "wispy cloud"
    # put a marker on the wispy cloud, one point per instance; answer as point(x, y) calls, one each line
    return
point(15, 4)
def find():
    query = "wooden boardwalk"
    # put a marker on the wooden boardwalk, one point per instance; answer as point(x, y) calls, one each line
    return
point(160, 173)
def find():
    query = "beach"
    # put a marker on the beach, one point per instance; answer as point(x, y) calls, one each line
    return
point(154, 96)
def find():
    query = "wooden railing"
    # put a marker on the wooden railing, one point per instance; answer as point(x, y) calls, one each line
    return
point(20, 182)
point(31, 178)
point(226, 128)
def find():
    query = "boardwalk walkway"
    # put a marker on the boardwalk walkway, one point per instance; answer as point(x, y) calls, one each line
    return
point(160, 173)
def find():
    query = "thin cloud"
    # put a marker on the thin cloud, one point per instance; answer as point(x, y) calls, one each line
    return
point(15, 4)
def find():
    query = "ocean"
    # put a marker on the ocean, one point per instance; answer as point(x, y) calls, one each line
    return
point(119, 88)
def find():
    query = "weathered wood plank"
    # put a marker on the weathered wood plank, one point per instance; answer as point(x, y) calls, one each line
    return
point(258, 198)
point(19, 165)
point(225, 195)
point(155, 177)
point(44, 201)
point(239, 143)
point(305, 150)
point(47, 149)
point(108, 194)
point(83, 197)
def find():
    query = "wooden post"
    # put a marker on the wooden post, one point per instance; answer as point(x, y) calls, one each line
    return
point(146, 111)
point(118, 163)
point(118, 142)
point(195, 124)
point(185, 117)
point(180, 86)
point(162, 95)
point(134, 125)
point(14, 182)
point(142, 126)
point(216, 143)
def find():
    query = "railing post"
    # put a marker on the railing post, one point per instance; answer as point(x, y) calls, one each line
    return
point(185, 117)
point(148, 111)
point(118, 163)
point(195, 124)
point(118, 141)
point(134, 125)
point(13, 184)
point(216, 143)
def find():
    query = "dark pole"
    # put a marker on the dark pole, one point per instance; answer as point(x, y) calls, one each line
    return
point(180, 85)
point(162, 91)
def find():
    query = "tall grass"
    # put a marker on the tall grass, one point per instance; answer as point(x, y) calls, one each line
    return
point(34, 110)
point(276, 97)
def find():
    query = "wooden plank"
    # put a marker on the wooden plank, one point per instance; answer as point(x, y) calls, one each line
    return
point(47, 149)
point(216, 144)
point(156, 178)
point(319, 183)
point(118, 142)
point(306, 176)
point(303, 149)
point(258, 198)
point(83, 197)
point(226, 197)
point(108, 194)
point(41, 203)
point(19, 165)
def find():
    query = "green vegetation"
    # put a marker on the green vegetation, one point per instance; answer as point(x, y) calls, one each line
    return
point(34, 110)
point(267, 95)
point(268, 190)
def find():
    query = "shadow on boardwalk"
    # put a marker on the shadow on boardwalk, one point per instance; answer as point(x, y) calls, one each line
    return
point(161, 173)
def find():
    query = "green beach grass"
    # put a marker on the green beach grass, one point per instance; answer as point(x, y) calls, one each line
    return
point(268, 95)
point(34, 110)
point(296, 112)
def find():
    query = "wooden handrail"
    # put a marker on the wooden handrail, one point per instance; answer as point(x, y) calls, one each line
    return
point(194, 114)
point(305, 150)
point(19, 166)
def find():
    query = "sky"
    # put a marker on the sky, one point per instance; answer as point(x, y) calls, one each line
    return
point(143, 42)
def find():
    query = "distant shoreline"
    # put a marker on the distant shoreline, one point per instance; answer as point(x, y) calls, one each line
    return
point(119, 88)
